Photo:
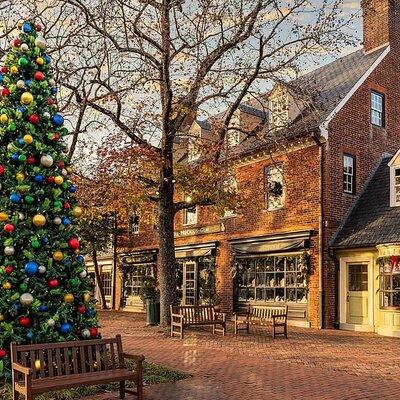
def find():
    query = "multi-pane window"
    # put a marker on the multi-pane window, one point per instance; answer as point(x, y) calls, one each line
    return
point(134, 224)
point(397, 185)
point(136, 277)
point(107, 283)
point(349, 174)
point(358, 277)
point(190, 216)
point(389, 289)
point(377, 109)
point(279, 111)
point(272, 279)
point(230, 186)
point(274, 187)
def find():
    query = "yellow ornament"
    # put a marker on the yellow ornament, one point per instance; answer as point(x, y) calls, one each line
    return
point(77, 212)
point(3, 118)
point(1, 317)
point(39, 220)
point(20, 23)
point(7, 285)
point(14, 70)
point(38, 365)
point(86, 297)
point(69, 170)
point(40, 61)
point(3, 216)
point(69, 298)
point(20, 176)
point(26, 98)
point(58, 255)
point(58, 180)
point(28, 139)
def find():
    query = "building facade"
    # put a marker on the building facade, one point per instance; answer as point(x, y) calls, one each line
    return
point(277, 250)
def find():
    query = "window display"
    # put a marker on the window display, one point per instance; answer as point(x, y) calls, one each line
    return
point(389, 284)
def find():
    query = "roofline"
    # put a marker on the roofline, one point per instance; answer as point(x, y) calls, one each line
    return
point(393, 158)
point(325, 124)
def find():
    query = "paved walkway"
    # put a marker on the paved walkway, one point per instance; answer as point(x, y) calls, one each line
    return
point(311, 364)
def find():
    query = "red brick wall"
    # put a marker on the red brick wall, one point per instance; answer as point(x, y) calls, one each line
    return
point(376, 23)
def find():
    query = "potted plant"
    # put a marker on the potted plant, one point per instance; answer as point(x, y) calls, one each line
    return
point(149, 294)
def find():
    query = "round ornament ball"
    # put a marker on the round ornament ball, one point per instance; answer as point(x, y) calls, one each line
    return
point(39, 178)
point(5, 92)
point(2, 318)
point(26, 98)
point(39, 220)
point(40, 61)
point(53, 283)
point(3, 216)
point(15, 198)
point(77, 212)
point(81, 309)
point(42, 269)
point(2, 169)
point(40, 42)
point(15, 42)
point(23, 61)
point(38, 27)
point(31, 268)
point(28, 139)
point(3, 353)
point(46, 160)
point(33, 119)
point(83, 274)
point(58, 180)
point(69, 298)
point(26, 27)
point(43, 308)
point(24, 47)
point(35, 244)
point(58, 255)
point(73, 243)
point(9, 250)
point(24, 321)
point(66, 221)
point(50, 322)
point(65, 328)
point(47, 60)
point(38, 76)
point(14, 70)
point(21, 216)
point(9, 269)
point(9, 228)
point(46, 115)
point(20, 84)
point(57, 220)
point(86, 297)
point(72, 188)
point(85, 333)
point(52, 82)
point(3, 118)
point(93, 332)
point(57, 119)
point(20, 176)
point(7, 285)
point(26, 299)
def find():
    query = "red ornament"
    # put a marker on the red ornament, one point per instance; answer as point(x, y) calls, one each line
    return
point(38, 76)
point(5, 92)
point(38, 27)
point(50, 179)
point(15, 42)
point(73, 243)
point(93, 332)
point(24, 321)
point(33, 119)
point(31, 160)
point(61, 164)
point(81, 309)
point(3, 353)
point(2, 169)
point(67, 206)
point(53, 283)
point(9, 228)
point(3, 69)
point(9, 269)
point(56, 137)
point(50, 101)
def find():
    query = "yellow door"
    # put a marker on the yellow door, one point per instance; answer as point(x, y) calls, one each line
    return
point(357, 294)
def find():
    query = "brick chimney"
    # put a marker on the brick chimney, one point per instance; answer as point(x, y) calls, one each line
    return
point(381, 23)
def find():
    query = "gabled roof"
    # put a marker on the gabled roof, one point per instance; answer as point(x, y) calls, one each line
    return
point(371, 221)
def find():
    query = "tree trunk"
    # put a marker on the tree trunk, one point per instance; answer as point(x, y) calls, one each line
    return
point(99, 281)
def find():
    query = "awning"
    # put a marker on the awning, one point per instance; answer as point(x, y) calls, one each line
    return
point(196, 250)
point(271, 244)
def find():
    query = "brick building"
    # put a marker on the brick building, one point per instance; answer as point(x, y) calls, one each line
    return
point(341, 118)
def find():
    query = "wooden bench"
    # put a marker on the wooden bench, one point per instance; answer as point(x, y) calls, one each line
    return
point(276, 317)
point(40, 368)
point(185, 316)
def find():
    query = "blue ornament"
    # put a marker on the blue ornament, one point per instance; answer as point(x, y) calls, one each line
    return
point(30, 335)
point(15, 307)
point(15, 156)
point(31, 268)
point(45, 240)
point(26, 27)
point(39, 178)
point(1, 78)
point(21, 109)
point(57, 119)
point(47, 59)
point(21, 142)
point(28, 82)
point(15, 198)
point(43, 308)
point(66, 221)
point(72, 188)
point(90, 313)
point(80, 259)
point(65, 328)
point(66, 262)
point(53, 90)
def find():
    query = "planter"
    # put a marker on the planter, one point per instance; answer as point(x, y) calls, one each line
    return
point(152, 311)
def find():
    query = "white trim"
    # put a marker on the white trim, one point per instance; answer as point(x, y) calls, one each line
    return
point(391, 162)
point(324, 126)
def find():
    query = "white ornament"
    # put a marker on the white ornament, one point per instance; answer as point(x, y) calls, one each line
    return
point(83, 274)
point(86, 334)
point(42, 269)
point(21, 216)
point(20, 84)
point(46, 115)
point(64, 172)
point(9, 250)
point(52, 82)
point(24, 47)
point(57, 220)
point(46, 160)
point(26, 299)
point(51, 322)
point(40, 42)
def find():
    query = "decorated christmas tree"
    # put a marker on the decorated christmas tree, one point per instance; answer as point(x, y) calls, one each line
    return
point(45, 293)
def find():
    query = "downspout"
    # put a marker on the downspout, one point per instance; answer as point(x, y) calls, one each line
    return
point(321, 294)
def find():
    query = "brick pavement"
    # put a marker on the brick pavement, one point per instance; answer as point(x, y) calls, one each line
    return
point(311, 364)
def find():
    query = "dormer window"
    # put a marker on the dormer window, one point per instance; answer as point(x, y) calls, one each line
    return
point(232, 138)
point(279, 110)
point(395, 180)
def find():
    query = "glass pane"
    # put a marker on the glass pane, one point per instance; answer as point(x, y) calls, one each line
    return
point(358, 277)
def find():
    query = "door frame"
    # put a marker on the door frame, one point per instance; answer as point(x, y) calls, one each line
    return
point(196, 279)
point(343, 288)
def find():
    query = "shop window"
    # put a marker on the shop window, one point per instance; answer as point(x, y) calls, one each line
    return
point(349, 168)
point(272, 279)
point(389, 284)
point(274, 187)
point(134, 278)
point(190, 216)
point(377, 109)
point(106, 279)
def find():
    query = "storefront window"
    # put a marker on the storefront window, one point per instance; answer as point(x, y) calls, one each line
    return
point(106, 279)
point(135, 277)
point(272, 279)
point(389, 290)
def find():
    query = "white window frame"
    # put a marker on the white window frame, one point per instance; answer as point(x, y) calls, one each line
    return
point(349, 178)
point(377, 109)
point(190, 220)
point(232, 183)
point(279, 111)
point(134, 228)
point(393, 186)
point(270, 172)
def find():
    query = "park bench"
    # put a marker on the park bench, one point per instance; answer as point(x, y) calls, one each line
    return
point(47, 367)
point(185, 316)
point(275, 317)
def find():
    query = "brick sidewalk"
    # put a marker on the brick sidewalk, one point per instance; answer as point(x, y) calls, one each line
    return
point(311, 364)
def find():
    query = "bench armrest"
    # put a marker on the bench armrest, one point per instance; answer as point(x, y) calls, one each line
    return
point(134, 357)
point(20, 368)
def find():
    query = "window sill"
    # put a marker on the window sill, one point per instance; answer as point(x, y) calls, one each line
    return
point(272, 209)
point(390, 309)
point(349, 194)
point(229, 216)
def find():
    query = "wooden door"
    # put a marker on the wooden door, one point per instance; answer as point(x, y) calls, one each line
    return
point(357, 294)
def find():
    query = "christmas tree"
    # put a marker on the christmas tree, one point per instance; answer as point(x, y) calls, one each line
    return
point(45, 293)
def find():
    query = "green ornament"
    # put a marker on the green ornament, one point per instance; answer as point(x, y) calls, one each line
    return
point(23, 287)
point(57, 203)
point(12, 127)
point(35, 244)
point(64, 185)
point(23, 62)
point(74, 282)
point(29, 199)
point(12, 88)
point(22, 158)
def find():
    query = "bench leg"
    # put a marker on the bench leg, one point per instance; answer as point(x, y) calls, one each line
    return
point(122, 390)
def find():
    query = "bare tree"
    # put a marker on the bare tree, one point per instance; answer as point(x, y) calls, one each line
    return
point(149, 68)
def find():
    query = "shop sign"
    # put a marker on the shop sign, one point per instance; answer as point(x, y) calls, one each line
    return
point(138, 258)
point(202, 230)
